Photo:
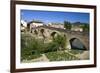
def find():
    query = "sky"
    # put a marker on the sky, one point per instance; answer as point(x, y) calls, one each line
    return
point(54, 16)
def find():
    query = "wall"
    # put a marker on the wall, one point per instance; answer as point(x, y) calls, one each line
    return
point(5, 37)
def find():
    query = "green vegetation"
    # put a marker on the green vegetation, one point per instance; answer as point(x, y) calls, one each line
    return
point(67, 25)
point(85, 27)
point(76, 51)
point(32, 48)
point(38, 43)
point(42, 32)
point(60, 56)
point(61, 41)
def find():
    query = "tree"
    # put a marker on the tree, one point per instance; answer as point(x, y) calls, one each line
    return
point(36, 32)
point(67, 25)
point(42, 32)
point(85, 27)
point(61, 41)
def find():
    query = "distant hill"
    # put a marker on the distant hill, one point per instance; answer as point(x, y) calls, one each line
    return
point(79, 23)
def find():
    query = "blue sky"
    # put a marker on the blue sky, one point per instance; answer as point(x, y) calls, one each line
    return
point(54, 16)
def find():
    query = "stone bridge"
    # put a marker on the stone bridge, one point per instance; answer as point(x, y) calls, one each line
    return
point(82, 36)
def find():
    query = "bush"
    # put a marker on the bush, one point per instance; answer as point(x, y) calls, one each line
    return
point(30, 46)
point(58, 42)
point(51, 47)
point(61, 41)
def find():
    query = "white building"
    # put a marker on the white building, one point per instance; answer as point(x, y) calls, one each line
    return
point(23, 25)
point(34, 24)
point(56, 25)
point(76, 28)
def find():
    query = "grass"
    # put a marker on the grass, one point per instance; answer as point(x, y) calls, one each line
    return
point(76, 51)
point(30, 57)
point(60, 56)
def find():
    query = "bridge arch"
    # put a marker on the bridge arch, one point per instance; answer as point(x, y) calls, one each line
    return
point(77, 44)
point(81, 36)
